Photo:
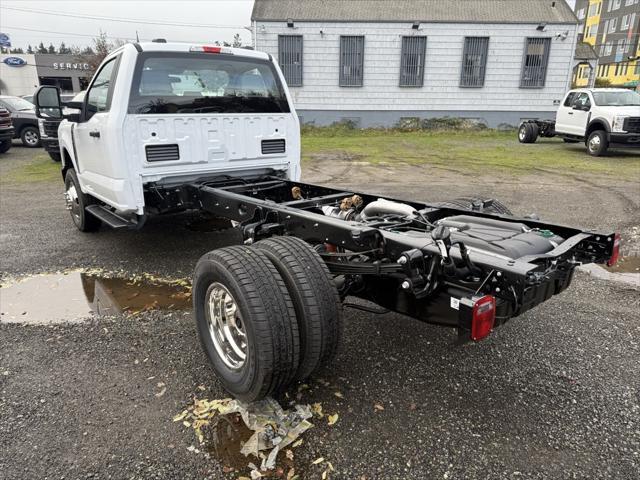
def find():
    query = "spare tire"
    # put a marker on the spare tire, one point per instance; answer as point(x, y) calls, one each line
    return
point(246, 322)
point(315, 299)
point(478, 204)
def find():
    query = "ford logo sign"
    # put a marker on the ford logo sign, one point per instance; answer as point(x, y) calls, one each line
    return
point(15, 61)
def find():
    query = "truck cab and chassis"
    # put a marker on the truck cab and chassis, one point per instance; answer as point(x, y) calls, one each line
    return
point(597, 117)
point(165, 128)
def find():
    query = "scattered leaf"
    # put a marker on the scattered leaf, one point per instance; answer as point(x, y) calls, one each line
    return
point(289, 454)
point(413, 406)
point(317, 461)
point(332, 419)
point(297, 443)
point(338, 394)
point(378, 407)
point(291, 474)
point(316, 409)
point(202, 388)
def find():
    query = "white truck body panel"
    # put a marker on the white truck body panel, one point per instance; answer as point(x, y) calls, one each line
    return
point(114, 168)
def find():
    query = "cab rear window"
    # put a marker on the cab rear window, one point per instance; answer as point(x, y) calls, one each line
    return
point(205, 83)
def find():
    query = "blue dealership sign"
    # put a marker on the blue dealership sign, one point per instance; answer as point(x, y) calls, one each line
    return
point(15, 61)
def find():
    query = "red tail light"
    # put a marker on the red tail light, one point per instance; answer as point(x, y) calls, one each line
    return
point(615, 253)
point(484, 316)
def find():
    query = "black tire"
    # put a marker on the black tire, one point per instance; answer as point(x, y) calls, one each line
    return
point(84, 221)
point(5, 146)
point(315, 299)
point(597, 143)
point(528, 133)
point(471, 203)
point(30, 136)
point(268, 319)
point(55, 156)
point(570, 140)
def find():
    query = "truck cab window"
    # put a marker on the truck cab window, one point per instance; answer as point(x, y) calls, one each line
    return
point(582, 101)
point(98, 96)
point(568, 102)
point(193, 83)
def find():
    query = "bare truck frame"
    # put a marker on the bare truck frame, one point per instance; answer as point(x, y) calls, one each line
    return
point(459, 264)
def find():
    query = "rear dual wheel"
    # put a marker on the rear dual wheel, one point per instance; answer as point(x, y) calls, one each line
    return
point(266, 315)
point(528, 132)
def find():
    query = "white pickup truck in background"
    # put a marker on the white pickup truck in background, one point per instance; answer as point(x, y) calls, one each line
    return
point(599, 117)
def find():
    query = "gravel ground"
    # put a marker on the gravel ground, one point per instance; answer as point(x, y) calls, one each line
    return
point(552, 394)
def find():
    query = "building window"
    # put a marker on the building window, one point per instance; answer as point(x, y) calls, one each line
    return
point(608, 47)
point(290, 58)
point(613, 24)
point(412, 60)
point(474, 61)
point(593, 9)
point(534, 64)
point(624, 24)
point(616, 4)
point(351, 61)
point(581, 14)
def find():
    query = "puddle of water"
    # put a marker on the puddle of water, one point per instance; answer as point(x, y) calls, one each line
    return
point(224, 440)
point(74, 296)
point(623, 272)
point(209, 224)
point(626, 265)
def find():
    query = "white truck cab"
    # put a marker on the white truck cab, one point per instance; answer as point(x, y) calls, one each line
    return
point(598, 117)
point(158, 113)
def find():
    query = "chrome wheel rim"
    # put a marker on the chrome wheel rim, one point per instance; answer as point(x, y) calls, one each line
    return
point(226, 327)
point(31, 138)
point(73, 202)
point(594, 143)
point(521, 133)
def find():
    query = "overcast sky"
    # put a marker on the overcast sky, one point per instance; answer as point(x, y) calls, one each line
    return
point(207, 20)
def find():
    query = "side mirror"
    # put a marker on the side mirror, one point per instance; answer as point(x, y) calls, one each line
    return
point(47, 100)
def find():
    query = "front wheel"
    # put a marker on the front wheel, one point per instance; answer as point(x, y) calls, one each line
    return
point(597, 143)
point(77, 203)
point(246, 322)
point(30, 137)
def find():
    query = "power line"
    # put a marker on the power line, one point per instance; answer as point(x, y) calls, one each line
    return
point(65, 33)
point(123, 20)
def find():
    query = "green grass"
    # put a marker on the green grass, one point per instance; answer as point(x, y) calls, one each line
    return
point(470, 150)
point(39, 169)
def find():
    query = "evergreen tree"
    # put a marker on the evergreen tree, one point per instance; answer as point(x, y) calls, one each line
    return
point(51, 48)
point(30, 49)
point(42, 48)
point(16, 50)
point(63, 49)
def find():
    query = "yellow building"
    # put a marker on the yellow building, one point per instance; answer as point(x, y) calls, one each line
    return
point(612, 27)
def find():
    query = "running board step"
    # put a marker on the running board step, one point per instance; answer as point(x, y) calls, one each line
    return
point(110, 218)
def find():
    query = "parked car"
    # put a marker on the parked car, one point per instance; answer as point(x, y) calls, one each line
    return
point(24, 119)
point(6, 130)
point(599, 117)
point(49, 127)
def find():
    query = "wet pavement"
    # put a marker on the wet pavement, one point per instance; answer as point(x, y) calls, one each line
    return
point(553, 394)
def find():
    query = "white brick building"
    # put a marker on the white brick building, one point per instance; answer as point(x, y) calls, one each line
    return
point(377, 61)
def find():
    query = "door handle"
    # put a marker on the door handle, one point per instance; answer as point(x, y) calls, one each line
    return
point(94, 133)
